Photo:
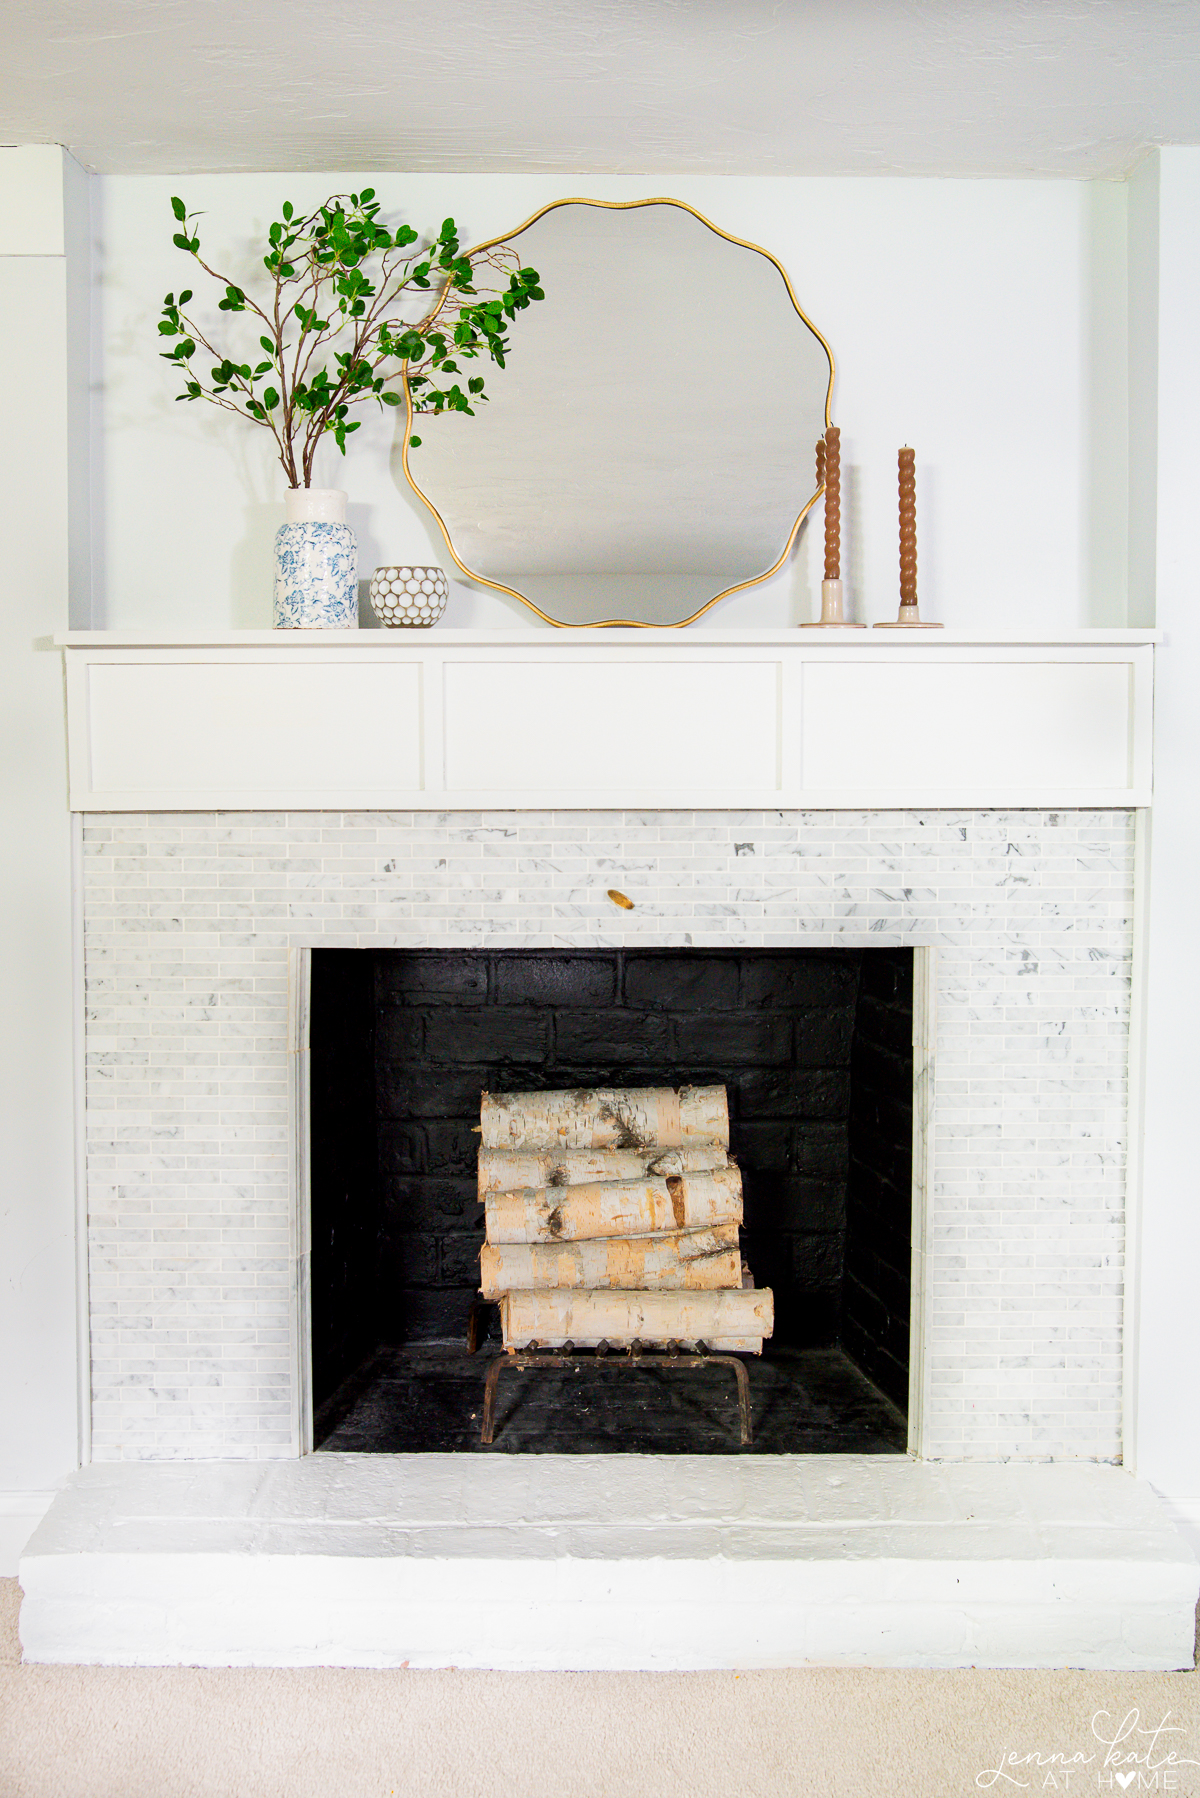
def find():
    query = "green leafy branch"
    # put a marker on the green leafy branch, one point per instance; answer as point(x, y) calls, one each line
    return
point(330, 335)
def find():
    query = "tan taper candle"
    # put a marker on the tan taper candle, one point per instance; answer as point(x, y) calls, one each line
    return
point(829, 475)
point(833, 504)
point(910, 616)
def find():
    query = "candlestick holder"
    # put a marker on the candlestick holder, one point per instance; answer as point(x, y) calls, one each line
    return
point(910, 617)
point(829, 476)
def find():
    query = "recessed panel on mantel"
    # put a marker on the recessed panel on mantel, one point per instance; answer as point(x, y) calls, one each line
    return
point(612, 725)
point(254, 727)
point(930, 726)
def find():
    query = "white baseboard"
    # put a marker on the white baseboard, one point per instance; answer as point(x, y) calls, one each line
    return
point(1185, 1515)
point(20, 1514)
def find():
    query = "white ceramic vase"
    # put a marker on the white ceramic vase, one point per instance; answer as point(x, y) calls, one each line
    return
point(316, 563)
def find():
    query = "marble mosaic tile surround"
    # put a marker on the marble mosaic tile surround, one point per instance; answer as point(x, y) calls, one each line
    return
point(188, 921)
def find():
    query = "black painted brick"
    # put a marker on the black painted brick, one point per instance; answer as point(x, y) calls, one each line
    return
point(435, 1314)
point(785, 982)
point(886, 1028)
point(788, 1092)
point(429, 1204)
point(513, 1020)
point(738, 1040)
point(823, 1038)
point(460, 1260)
point(428, 1093)
point(681, 983)
point(453, 1146)
point(408, 1260)
point(556, 980)
point(401, 1147)
point(414, 977)
point(817, 1260)
point(779, 1201)
point(398, 1034)
point(491, 1033)
point(603, 1035)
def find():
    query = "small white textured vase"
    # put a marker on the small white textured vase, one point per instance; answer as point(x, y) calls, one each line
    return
point(407, 597)
point(316, 563)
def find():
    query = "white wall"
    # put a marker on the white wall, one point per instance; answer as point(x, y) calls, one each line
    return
point(1164, 316)
point(37, 1258)
point(981, 321)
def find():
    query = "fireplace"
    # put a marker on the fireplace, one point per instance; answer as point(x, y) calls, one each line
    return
point(201, 935)
point(205, 936)
point(814, 1048)
point(257, 811)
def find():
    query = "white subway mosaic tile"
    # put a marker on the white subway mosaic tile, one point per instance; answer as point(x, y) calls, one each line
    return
point(188, 921)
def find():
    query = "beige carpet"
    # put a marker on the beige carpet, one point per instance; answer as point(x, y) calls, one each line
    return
point(103, 1732)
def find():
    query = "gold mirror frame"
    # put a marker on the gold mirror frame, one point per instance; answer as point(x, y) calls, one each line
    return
point(739, 586)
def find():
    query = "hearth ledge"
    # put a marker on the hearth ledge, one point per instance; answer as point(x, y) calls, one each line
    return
point(581, 1562)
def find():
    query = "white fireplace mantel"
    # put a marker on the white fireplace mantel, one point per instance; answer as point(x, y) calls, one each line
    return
point(397, 720)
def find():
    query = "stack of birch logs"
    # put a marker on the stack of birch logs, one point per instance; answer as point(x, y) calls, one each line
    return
point(612, 1216)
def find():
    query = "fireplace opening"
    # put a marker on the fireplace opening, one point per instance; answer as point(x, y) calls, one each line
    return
point(814, 1047)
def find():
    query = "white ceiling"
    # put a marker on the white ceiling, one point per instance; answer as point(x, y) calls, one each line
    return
point(970, 87)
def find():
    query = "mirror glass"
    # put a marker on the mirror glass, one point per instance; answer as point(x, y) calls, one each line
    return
point(650, 444)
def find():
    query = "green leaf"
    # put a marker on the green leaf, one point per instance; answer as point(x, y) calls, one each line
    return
point(181, 242)
point(270, 399)
point(179, 209)
point(414, 443)
point(287, 209)
point(391, 399)
point(185, 296)
point(268, 345)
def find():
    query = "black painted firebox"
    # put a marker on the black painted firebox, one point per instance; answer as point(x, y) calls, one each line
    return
point(814, 1047)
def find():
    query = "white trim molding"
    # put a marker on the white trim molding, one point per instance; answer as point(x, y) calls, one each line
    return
point(639, 719)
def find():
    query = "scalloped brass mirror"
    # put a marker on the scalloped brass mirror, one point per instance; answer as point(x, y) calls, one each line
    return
point(649, 448)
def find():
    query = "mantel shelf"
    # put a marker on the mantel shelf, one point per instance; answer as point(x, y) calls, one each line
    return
point(607, 719)
point(695, 637)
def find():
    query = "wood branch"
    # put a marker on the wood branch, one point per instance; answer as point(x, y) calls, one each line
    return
point(607, 1118)
point(653, 1318)
point(507, 1170)
point(615, 1207)
point(685, 1261)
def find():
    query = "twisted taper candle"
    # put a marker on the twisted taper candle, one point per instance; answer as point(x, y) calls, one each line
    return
point(820, 461)
point(908, 527)
point(833, 504)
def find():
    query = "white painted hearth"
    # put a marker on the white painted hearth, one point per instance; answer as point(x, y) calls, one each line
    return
point(197, 911)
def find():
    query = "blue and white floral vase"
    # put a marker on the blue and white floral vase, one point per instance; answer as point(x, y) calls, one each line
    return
point(316, 563)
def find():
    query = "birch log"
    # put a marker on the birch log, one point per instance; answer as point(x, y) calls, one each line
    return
point(687, 1261)
point(615, 1208)
point(585, 1318)
point(506, 1170)
point(614, 1117)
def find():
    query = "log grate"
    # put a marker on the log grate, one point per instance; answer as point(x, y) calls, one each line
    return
point(633, 1357)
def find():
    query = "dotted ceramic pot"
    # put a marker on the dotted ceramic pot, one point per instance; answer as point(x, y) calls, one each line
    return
point(407, 597)
point(316, 563)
